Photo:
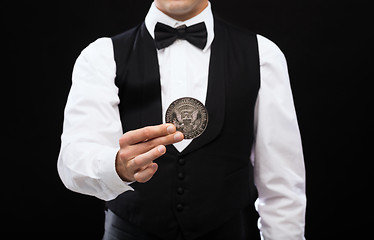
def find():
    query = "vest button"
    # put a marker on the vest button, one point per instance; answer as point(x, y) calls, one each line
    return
point(180, 190)
point(180, 207)
point(180, 176)
point(181, 161)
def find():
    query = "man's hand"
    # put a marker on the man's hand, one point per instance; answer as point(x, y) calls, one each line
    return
point(138, 149)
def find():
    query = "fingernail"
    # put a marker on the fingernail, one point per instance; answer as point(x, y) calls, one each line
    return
point(154, 166)
point(171, 129)
point(161, 149)
point(178, 136)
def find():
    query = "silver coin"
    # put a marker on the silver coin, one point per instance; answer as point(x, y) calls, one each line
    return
point(188, 115)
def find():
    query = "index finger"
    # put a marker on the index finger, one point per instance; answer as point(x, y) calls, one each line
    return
point(147, 133)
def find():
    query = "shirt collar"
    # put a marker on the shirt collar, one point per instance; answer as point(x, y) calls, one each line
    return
point(155, 15)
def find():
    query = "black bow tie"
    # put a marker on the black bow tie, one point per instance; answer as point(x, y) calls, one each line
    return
point(166, 35)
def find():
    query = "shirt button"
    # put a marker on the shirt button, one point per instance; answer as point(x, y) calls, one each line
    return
point(180, 207)
point(180, 190)
point(180, 176)
point(181, 161)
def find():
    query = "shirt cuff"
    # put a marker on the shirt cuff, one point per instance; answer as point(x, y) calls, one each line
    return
point(109, 175)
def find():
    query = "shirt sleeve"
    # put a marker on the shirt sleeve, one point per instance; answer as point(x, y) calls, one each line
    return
point(277, 154)
point(92, 126)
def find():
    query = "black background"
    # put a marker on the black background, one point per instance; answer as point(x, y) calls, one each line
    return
point(328, 46)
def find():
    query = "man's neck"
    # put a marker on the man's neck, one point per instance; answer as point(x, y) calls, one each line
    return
point(184, 16)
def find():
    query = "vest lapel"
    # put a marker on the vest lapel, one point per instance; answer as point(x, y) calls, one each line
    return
point(215, 99)
point(151, 97)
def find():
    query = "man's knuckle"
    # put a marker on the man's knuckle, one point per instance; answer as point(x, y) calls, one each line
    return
point(130, 166)
point(136, 162)
point(121, 141)
point(140, 178)
point(124, 154)
point(166, 140)
point(146, 146)
point(147, 133)
point(155, 154)
point(124, 139)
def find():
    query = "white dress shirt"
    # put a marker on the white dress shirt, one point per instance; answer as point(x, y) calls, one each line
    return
point(92, 125)
point(183, 67)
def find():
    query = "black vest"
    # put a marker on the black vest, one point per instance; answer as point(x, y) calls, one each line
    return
point(197, 190)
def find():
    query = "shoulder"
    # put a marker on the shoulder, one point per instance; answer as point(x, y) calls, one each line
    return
point(126, 36)
point(124, 42)
point(241, 43)
point(100, 45)
point(95, 62)
point(273, 65)
point(105, 48)
point(266, 46)
point(233, 30)
point(97, 52)
point(268, 50)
